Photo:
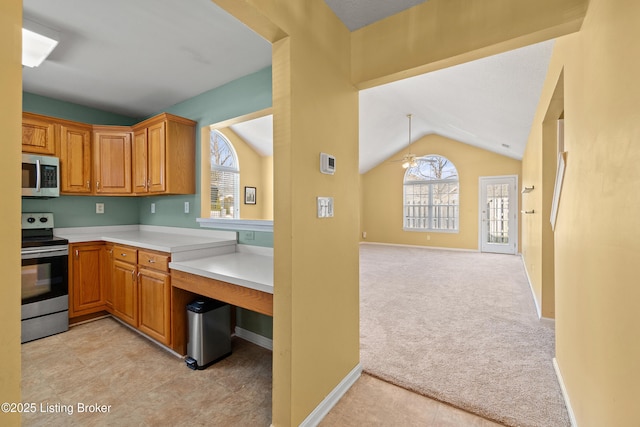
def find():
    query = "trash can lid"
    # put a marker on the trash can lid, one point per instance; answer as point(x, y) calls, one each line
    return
point(202, 305)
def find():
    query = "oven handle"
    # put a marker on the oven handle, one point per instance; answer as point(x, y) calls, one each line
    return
point(43, 252)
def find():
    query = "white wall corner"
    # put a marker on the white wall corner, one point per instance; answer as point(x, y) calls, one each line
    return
point(332, 398)
point(565, 394)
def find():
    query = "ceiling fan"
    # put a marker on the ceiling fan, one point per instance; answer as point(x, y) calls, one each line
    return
point(409, 159)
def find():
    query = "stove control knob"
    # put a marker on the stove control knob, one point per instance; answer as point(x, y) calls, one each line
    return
point(44, 219)
point(31, 220)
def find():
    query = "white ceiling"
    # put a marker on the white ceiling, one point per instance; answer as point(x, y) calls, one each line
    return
point(140, 57)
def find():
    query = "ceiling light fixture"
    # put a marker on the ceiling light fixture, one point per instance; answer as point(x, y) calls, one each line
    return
point(409, 159)
point(38, 42)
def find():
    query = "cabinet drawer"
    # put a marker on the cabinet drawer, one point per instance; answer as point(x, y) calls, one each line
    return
point(125, 254)
point(153, 260)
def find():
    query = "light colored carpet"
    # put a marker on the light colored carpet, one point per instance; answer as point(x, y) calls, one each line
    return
point(460, 327)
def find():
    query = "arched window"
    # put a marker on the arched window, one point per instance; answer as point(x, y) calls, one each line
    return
point(225, 178)
point(431, 195)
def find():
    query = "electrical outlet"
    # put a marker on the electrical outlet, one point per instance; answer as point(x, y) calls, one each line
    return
point(153, 208)
point(186, 207)
point(99, 208)
point(364, 234)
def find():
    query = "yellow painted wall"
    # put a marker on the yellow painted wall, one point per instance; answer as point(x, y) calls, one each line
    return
point(539, 171)
point(382, 193)
point(440, 33)
point(10, 121)
point(597, 236)
point(315, 109)
point(253, 173)
point(266, 199)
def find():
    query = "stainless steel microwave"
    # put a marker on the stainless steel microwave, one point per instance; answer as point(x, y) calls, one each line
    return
point(40, 176)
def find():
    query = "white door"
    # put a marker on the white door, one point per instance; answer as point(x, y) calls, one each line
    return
point(498, 214)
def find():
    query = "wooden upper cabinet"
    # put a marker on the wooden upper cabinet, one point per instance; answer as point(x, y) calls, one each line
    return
point(170, 156)
point(112, 159)
point(140, 170)
point(157, 157)
point(38, 134)
point(75, 158)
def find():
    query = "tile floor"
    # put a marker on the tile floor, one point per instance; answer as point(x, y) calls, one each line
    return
point(105, 363)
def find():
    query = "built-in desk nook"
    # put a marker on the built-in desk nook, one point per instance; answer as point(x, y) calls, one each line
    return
point(243, 279)
point(173, 266)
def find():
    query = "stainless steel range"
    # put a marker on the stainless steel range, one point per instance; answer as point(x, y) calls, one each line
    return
point(45, 290)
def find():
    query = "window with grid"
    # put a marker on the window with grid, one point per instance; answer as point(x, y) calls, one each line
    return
point(225, 178)
point(431, 195)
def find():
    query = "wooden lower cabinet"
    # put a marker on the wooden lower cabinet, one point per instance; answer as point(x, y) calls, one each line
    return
point(132, 284)
point(125, 292)
point(86, 270)
point(154, 292)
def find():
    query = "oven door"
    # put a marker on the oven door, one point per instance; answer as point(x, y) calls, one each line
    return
point(44, 273)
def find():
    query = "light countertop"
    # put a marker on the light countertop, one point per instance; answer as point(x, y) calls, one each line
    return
point(247, 269)
point(212, 254)
point(164, 239)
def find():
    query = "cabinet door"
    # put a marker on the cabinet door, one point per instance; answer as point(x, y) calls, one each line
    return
point(38, 135)
point(86, 293)
point(75, 159)
point(140, 162)
point(157, 157)
point(155, 304)
point(107, 281)
point(125, 292)
point(112, 162)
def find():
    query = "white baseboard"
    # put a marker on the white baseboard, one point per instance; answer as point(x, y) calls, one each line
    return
point(332, 398)
point(254, 338)
point(419, 246)
point(565, 395)
point(533, 293)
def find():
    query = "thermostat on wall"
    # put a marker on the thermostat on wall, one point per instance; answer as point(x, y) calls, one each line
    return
point(327, 163)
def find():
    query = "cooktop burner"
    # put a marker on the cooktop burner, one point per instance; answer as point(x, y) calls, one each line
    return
point(37, 230)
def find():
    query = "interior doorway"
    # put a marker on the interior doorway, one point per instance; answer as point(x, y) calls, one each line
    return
point(498, 214)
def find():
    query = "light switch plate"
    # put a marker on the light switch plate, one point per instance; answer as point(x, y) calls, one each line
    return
point(186, 207)
point(153, 208)
point(99, 208)
point(325, 207)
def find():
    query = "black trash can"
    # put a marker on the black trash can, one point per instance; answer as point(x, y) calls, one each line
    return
point(209, 332)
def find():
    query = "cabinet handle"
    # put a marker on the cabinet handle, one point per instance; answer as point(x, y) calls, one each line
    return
point(123, 254)
point(149, 183)
point(152, 261)
point(77, 253)
point(88, 185)
point(97, 185)
point(133, 275)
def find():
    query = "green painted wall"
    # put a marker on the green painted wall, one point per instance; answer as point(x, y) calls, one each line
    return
point(242, 96)
point(80, 211)
point(67, 110)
